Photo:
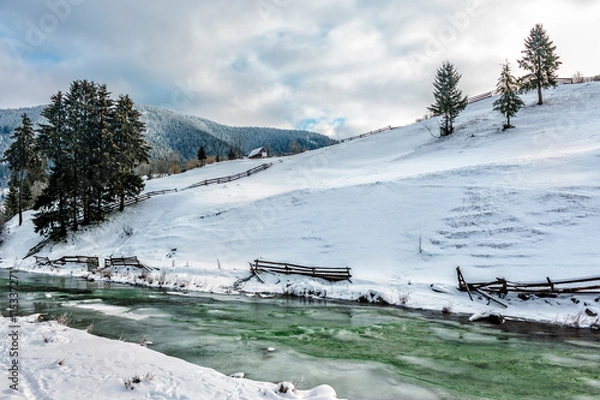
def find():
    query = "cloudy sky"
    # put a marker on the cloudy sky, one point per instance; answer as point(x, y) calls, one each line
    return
point(339, 67)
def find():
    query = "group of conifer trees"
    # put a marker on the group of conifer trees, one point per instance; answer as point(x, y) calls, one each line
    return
point(86, 152)
point(540, 62)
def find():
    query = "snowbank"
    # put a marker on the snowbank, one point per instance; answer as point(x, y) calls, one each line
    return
point(57, 362)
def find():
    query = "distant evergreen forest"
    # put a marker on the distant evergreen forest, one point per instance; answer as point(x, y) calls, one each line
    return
point(176, 138)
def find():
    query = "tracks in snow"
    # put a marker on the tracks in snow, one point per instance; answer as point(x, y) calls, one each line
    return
point(500, 223)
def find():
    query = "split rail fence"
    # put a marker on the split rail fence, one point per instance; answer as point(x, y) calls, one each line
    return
point(92, 262)
point(331, 274)
point(229, 178)
point(126, 262)
point(548, 288)
point(362, 135)
point(480, 97)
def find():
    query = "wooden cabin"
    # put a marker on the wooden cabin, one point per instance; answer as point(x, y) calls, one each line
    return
point(258, 153)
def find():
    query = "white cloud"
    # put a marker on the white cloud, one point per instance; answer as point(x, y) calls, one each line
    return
point(350, 66)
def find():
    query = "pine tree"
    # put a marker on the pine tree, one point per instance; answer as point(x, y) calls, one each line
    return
point(11, 202)
point(25, 166)
point(540, 60)
point(128, 151)
point(449, 100)
point(231, 155)
point(54, 206)
point(102, 166)
point(509, 103)
point(202, 156)
point(93, 146)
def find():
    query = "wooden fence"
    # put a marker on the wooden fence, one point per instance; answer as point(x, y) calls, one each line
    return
point(92, 262)
point(480, 97)
point(501, 287)
point(362, 135)
point(332, 274)
point(37, 247)
point(134, 200)
point(126, 262)
point(229, 178)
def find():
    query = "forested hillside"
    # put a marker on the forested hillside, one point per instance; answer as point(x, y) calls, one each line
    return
point(168, 130)
point(178, 137)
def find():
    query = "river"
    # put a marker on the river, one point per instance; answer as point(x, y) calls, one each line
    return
point(363, 352)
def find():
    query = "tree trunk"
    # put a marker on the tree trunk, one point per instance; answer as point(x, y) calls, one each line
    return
point(540, 102)
point(20, 199)
point(75, 221)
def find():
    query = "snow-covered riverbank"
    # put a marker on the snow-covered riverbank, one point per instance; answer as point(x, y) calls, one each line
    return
point(52, 361)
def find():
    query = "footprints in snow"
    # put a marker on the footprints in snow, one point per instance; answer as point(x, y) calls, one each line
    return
point(495, 222)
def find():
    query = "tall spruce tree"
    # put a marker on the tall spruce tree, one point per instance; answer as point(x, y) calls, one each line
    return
point(449, 100)
point(102, 166)
point(25, 167)
point(54, 206)
point(509, 103)
point(93, 146)
point(128, 151)
point(540, 59)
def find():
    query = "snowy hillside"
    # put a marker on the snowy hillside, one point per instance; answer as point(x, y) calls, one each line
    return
point(401, 208)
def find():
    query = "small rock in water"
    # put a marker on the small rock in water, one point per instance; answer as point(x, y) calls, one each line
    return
point(270, 349)
point(238, 375)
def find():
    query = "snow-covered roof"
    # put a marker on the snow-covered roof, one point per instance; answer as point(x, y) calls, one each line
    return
point(256, 152)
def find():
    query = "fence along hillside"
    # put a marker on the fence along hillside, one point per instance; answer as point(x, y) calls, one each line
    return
point(145, 196)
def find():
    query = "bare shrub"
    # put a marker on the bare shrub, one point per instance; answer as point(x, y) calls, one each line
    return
point(191, 164)
point(578, 77)
point(403, 298)
point(163, 277)
point(63, 319)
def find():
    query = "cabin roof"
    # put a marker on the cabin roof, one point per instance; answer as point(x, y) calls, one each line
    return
point(256, 152)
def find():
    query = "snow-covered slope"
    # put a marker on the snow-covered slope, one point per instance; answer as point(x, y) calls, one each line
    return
point(401, 208)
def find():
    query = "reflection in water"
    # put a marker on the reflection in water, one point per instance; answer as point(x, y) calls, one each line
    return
point(364, 352)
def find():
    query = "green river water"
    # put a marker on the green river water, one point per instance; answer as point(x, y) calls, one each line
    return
point(363, 352)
